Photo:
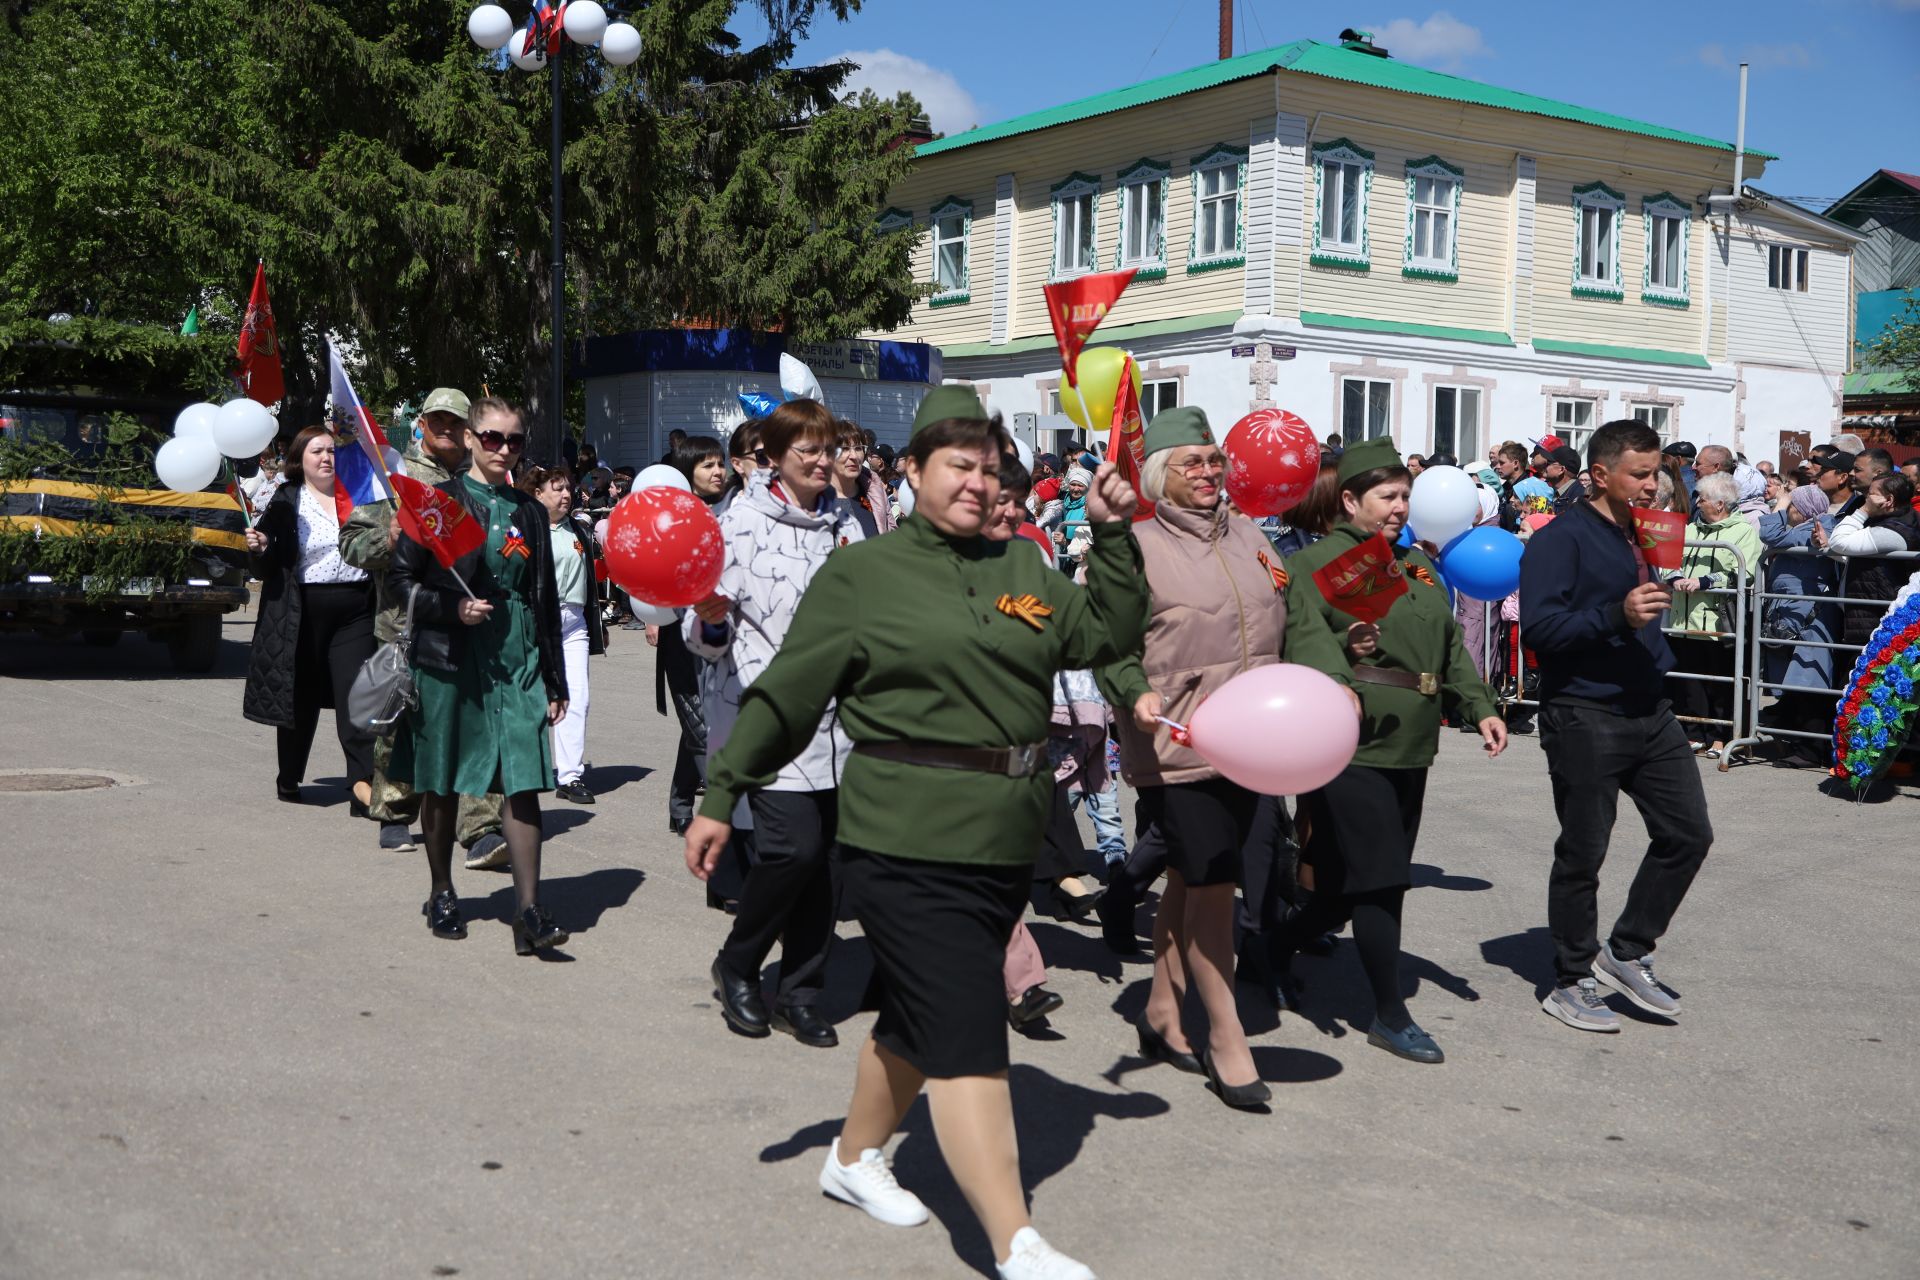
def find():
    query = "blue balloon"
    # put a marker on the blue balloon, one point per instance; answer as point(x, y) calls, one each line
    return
point(1483, 563)
point(757, 405)
point(1406, 535)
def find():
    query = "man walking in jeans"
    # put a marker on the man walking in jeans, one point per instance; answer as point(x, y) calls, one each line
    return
point(1591, 611)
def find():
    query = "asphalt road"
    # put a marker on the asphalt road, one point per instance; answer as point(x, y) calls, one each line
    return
point(229, 1047)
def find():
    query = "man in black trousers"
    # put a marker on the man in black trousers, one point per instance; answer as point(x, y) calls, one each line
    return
point(1591, 610)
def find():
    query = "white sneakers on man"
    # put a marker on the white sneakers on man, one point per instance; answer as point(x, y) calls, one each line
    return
point(1032, 1258)
point(869, 1184)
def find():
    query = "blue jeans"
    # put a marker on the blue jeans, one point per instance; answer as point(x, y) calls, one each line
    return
point(1110, 837)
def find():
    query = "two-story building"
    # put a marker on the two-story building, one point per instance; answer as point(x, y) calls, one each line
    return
point(1385, 250)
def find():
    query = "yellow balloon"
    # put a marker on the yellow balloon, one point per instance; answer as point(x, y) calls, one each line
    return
point(1099, 374)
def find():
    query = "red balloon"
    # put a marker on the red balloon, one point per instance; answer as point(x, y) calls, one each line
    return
point(664, 547)
point(1273, 459)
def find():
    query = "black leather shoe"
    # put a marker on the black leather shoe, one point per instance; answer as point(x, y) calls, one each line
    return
point(1076, 907)
point(1413, 1044)
point(1116, 925)
point(1154, 1048)
point(534, 930)
point(574, 793)
point(717, 901)
point(806, 1026)
point(289, 794)
point(740, 1002)
point(1255, 969)
point(1241, 1097)
point(1036, 1004)
point(442, 911)
point(678, 826)
point(357, 810)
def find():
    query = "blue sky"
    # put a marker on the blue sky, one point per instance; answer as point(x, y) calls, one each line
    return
point(1834, 89)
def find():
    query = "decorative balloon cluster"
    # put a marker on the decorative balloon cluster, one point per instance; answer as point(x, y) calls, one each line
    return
point(205, 434)
point(584, 21)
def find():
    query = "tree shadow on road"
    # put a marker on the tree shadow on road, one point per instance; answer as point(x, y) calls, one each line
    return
point(1053, 1118)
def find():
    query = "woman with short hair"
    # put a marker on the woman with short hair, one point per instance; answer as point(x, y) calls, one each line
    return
point(1702, 615)
point(745, 455)
point(583, 633)
point(1883, 524)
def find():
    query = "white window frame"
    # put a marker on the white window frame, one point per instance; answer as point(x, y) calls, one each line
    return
point(1135, 182)
point(1228, 161)
point(1783, 257)
point(1473, 433)
point(1452, 180)
point(1571, 433)
point(1658, 213)
point(1347, 433)
point(1356, 168)
point(1593, 198)
point(1069, 192)
point(1153, 391)
point(1658, 416)
point(952, 209)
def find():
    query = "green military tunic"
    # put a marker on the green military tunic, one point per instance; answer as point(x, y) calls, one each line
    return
point(907, 633)
point(1399, 728)
point(483, 727)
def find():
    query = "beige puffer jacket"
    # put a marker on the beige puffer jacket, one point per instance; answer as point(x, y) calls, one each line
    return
point(1219, 608)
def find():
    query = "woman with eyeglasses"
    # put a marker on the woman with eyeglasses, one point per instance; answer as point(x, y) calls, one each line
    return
point(745, 455)
point(863, 490)
point(488, 666)
point(1217, 611)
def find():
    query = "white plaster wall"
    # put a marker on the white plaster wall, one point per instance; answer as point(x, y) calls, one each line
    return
point(1779, 400)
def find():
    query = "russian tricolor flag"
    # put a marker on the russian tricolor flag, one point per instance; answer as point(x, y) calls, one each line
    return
point(360, 464)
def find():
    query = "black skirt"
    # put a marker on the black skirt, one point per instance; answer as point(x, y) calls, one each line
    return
point(1205, 826)
point(1364, 825)
point(939, 934)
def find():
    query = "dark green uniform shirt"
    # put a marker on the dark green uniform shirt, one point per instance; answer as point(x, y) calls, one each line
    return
point(906, 633)
point(1399, 728)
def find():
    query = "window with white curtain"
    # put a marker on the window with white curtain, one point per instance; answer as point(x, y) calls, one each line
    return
point(1667, 218)
point(1366, 409)
point(1596, 267)
point(1343, 177)
point(1076, 209)
point(951, 222)
point(1433, 216)
point(1143, 217)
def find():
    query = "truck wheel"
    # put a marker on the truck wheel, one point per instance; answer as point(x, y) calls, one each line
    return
point(194, 646)
point(101, 637)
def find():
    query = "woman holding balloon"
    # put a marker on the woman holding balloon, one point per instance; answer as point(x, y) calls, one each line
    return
point(1374, 616)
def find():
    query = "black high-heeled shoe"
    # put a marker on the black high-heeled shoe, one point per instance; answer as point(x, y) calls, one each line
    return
point(534, 930)
point(1241, 1097)
point(1154, 1048)
point(1076, 907)
point(442, 911)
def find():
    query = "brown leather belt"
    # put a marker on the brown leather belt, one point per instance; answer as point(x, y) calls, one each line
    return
point(1426, 683)
point(1010, 762)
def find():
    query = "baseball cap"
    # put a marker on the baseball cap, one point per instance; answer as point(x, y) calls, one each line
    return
point(1547, 444)
point(1837, 462)
point(447, 400)
point(1681, 449)
point(1566, 457)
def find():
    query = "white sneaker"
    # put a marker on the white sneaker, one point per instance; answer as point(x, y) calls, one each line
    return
point(1034, 1259)
point(870, 1185)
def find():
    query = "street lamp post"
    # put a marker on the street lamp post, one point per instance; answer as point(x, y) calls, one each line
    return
point(531, 47)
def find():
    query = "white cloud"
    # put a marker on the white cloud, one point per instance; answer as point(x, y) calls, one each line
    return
point(1761, 57)
point(1442, 42)
point(951, 108)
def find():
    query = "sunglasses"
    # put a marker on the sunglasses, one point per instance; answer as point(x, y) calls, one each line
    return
point(501, 442)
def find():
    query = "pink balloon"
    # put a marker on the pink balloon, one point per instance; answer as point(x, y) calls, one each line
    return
point(1278, 730)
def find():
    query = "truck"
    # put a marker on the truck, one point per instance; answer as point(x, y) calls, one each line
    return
point(91, 547)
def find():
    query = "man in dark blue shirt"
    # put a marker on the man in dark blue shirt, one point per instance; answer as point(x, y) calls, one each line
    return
point(1591, 611)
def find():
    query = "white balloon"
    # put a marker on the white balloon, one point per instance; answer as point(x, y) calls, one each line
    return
point(797, 381)
point(584, 22)
point(1443, 506)
point(904, 494)
point(244, 428)
point(621, 44)
point(1024, 452)
point(186, 465)
point(654, 614)
point(196, 421)
point(489, 26)
point(533, 60)
point(661, 476)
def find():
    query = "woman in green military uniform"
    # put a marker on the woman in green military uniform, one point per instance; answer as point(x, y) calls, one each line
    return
point(490, 675)
point(940, 648)
point(1364, 822)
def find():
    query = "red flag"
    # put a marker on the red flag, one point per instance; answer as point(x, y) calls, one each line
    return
point(1126, 432)
point(1077, 307)
point(1662, 536)
point(258, 351)
point(436, 520)
point(1365, 581)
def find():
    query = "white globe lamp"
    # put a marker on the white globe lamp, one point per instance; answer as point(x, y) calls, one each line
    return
point(584, 21)
point(533, 59)
point(490, 26)
point(621, 44)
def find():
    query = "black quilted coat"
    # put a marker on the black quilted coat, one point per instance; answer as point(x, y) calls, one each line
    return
point(276, 628)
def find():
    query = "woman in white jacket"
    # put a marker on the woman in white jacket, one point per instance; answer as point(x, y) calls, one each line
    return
point(779, 530)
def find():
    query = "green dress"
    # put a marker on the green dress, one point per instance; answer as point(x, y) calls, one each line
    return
point(483, 728)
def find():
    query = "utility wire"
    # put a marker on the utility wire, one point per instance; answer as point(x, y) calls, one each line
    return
point(1162, 40)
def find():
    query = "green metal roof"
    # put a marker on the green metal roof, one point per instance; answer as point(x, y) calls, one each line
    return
point(1640, 355)
point(1310, 57)
point(1323, 320)
point(1880, 382)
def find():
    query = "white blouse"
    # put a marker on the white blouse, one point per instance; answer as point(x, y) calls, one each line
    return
point(320, 560)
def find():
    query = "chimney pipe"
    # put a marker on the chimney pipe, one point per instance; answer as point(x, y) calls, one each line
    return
point(1226, 29)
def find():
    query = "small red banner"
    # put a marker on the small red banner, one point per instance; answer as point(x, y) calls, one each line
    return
point(1662, 536)
point(436, 520)
point(1365, 581)
point(1077, 307)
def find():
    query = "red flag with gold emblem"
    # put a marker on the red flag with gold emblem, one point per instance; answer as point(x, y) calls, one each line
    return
point(258, 352)
point(1077, 307)
point(1364, 582)
point(1127, 439)
point(436, 520)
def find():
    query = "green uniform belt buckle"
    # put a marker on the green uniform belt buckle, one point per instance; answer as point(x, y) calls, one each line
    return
point(1429, 684)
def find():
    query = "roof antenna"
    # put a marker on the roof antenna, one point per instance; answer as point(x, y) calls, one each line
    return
point(1226, 29)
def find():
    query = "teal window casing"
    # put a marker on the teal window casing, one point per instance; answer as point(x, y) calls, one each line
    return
point(1074, 188)
point(1432, 250)
point(1597, 210)
point(1143, 180)
point(892, 219)
point(952, 287)
point(1342, 183)
point(1669, 227)
point(1215, 166)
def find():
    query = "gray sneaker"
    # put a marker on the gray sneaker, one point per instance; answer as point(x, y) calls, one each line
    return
point(1634, 979)
point(487, 853)
point(1580, 1007)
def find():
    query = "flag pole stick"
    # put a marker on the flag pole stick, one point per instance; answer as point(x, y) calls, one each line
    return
point(240, 494)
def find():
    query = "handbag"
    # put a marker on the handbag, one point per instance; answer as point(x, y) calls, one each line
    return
point(383, 690)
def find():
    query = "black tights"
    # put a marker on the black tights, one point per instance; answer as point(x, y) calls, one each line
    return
point(519, 823)
point(1376, 936)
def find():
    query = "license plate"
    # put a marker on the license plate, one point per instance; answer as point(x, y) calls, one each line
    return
point(133, 587)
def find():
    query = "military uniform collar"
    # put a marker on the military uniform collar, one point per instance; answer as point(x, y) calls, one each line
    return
point(924, 533)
